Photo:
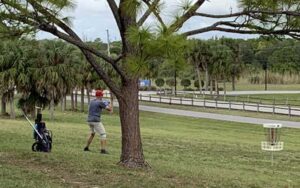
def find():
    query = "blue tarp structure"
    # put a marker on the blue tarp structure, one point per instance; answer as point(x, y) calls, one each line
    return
point(145, 83)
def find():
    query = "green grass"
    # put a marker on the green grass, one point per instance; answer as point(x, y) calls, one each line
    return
point(261, 87)
point(281, 99)
point(183, 152)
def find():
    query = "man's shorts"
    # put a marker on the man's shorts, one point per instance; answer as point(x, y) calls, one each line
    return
point(97, 127)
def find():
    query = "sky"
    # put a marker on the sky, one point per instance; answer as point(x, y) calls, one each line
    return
point(92, 18)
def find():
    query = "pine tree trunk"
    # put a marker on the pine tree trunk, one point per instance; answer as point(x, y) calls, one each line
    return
point(82, 99)
point(3, 105)
point(132, 151)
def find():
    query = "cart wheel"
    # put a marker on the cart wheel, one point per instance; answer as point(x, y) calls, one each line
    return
point(34, 147)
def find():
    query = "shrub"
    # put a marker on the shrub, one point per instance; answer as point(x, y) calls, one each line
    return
point(254, 80)
point(170, 82)
point(196, 83)
point(189, 89)
point(160, 82)
point(185, 83)
point(147, 88)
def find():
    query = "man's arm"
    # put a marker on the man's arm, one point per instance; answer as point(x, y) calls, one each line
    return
point(108, 108)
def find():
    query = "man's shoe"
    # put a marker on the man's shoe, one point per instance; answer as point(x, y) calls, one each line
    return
point(86, 149)
point(103, 151)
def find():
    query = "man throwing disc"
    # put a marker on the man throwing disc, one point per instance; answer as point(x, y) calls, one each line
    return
point(94, 121)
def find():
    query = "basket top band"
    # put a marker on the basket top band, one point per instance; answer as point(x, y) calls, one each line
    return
point(272, 125)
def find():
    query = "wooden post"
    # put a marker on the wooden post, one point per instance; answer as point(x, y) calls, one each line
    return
point(244, 105)
point(150, 98)
point(159, 98)
point(289, 110)
point(257, 107)
point(229, 105)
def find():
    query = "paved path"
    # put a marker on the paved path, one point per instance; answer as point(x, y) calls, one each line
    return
point(245, 106)
point(214, 116)
point(221, 117)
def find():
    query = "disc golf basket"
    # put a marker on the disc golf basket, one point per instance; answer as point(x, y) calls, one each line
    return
point(272, 138)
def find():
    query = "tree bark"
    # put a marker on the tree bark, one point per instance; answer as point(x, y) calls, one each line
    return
point(217, 87)
point(88, 95)
point(206, 79)
point(211, 87)
point(111, 96)
point(175, 78)
point(199, 79)
point(65, 102)
point(72, 101)
point(12, 106)
point(224, 85)
point(82, 99)
point(76, 97)
point(233, 82)
point(132, 151)
point(62, 104)
point(3, 105)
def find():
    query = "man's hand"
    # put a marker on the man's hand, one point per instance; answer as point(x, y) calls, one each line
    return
point(109, 108)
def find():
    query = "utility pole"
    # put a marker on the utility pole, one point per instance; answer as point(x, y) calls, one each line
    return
point(108, 42)
point(108, 53)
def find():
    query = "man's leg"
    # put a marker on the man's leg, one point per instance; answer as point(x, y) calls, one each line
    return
point(90, 139)
point(101, 131)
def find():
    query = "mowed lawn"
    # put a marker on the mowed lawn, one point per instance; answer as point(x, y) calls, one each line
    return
point(182, 152)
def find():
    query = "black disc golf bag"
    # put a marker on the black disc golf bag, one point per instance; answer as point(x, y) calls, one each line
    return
point(43, 142)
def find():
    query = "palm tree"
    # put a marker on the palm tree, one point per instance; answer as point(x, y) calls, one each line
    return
point(222, 61)
point(11, 70)
point(52, 80)
point(236, 65)
point(200, 57)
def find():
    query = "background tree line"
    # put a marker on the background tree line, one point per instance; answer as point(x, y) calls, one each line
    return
point(220, 60)
point(44, 72)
